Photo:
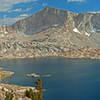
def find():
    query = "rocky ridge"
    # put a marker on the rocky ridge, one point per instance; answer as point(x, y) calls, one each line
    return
point(17, 91)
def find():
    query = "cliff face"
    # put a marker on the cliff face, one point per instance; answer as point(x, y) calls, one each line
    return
point(52, 17)
point(88, 22)
point(52, 32)
point(40, 21)
point(85, 24)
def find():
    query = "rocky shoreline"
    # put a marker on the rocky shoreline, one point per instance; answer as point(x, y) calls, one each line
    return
point(5, 74)
point(17, 91)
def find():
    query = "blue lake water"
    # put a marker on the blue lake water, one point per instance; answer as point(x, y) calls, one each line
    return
point(72, 79)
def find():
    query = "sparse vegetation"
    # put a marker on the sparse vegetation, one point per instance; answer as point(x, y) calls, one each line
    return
point(32, 95)
point(9, 96)
point(36, 95)
point(5, 74)
point(39, 88)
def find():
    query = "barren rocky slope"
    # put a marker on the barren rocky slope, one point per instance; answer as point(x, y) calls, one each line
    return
point(52, 32)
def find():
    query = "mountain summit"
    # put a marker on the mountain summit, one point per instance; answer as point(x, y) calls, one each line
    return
point(40, 21)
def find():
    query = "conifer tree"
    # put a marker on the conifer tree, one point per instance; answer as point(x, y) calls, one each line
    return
point(30, 94)
point(36, 95)
point(9, 96)
point(40, 88)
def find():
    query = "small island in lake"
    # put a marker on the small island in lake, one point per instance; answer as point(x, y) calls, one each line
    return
point(38, 75)
point(15, 92)
point(5, 74)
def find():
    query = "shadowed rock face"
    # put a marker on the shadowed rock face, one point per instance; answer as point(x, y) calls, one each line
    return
point(96, 22)
point(40, 21)
point(88, 22)
point(52, 17)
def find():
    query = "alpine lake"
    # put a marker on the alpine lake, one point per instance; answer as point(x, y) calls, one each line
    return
point(71, 79)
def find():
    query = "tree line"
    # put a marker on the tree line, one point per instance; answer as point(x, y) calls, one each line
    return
point(30, 93)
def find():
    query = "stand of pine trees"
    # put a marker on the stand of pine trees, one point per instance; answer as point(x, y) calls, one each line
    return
point(30, 93)
point(36, 95)
point(39, 88)
point(9, 96)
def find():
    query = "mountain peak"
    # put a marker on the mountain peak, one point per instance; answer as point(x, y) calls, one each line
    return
point(48, 7)
point(40, 21)
point(51, 9)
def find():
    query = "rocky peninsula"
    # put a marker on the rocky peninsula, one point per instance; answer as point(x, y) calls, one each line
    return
point(17, 91)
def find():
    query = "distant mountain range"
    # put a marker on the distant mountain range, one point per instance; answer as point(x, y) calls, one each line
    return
point(52, 32)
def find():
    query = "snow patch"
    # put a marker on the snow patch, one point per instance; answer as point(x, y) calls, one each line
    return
point(5, 50)
point(87, 34)
point(76, 30)
point(93, 31)
point(2, 35)
point(6, 32)
point(55, 25)
point(96, 30)
point(97, 12)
